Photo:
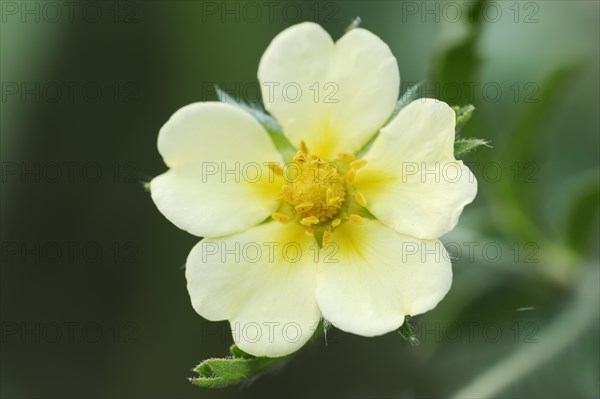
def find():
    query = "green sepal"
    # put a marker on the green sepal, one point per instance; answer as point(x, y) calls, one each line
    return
point(407, 332)
point(354, 24)
point(463, 146)
point(267, 121)
point(411, 94)
point(463, 114)
point(235, 369)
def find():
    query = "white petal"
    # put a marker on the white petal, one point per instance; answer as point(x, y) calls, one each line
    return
point(379, 277)
point(369, 81)
point(412, 182)
point(201, 143)
point(263, 282)
point(348, 89)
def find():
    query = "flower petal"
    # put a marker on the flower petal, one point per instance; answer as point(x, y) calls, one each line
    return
point(262, 281)
point(334, 96)
point(218, 183)
point(379, 277)
point(412, 182)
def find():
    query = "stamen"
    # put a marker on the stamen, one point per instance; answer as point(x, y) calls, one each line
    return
point(300, 157)
point(336, 222)
point(360, 199)
point(354, 218)
point(335, 201)
point(303, 147)
point(276, 168)
point(328, 195)
point(350, 176)
point(356, 165)
point(309, 232)
point(280, 217)
point(286, 194)
point(327, 237)
point(316, 162)
point(309, 221)
point(304, 206)
point(344, 156)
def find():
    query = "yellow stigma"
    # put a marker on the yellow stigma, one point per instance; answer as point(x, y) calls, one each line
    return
point(318, 191)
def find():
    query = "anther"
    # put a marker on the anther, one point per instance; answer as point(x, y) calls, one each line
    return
point(309, 221)
point(305, 206)
point(328, 195)
point(303, 147)
point(327, 237)
point(335, 201)
point(286, 194)
point(317, 161)
point(309, 232)
point(350, 176)
point(356, 219)
point(344, 156)
point(360, 199)
point(356, 165)
point(336, 222)
point(276, 168)
point(300, 157)
point(280, 217)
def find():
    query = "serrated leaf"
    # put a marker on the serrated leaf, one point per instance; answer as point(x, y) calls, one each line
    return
point(240, 367)
point(463, 115)
point(463, 146)
point(267, 121)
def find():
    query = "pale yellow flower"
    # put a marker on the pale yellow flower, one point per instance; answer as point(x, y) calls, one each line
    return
point(351, 240)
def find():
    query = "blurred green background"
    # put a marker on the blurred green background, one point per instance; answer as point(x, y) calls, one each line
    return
point(93, 294)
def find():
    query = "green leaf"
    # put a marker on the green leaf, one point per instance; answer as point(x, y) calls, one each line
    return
point(561, 337)
point(463, 115)
point(463, 146)
point(267, 121)
point(516, 201)
point(456, 59)
point(239, 367)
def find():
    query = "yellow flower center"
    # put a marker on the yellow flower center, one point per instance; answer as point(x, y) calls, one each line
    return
point(318, 190)
point(319, 194)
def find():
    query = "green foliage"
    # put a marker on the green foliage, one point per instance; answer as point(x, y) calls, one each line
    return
point(237, 368)
point(515, 201)
point(457, 60)
point(582, 217)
